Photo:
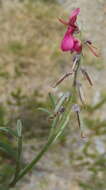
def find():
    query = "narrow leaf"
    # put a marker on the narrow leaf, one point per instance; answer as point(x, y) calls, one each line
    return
point(60, 103)
point(9, 130)
point(44, 110)
point(62, 128)
point(19, 128)
point(53, 127)
point(8, 149)
point(52, 99)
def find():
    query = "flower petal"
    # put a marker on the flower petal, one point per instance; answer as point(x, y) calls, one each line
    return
point(73, 16)
point(77, 45)
point(67, 43)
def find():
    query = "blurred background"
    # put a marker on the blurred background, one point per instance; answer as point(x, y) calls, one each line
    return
point(30, 62)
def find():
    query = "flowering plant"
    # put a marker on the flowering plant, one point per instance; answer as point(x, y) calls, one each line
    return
point(59, 115)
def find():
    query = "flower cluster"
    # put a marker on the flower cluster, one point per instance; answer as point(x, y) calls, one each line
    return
point(70, 42)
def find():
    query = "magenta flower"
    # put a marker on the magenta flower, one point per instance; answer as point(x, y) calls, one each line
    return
point(70, 43)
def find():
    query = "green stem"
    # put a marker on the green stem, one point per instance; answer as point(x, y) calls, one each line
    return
point(19, 155)
point(53, 127)
point(33, 162)
point(18, 161)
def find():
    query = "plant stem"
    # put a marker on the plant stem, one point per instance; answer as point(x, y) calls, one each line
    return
point(33, 162)
point(76, 74)
point(18, 161)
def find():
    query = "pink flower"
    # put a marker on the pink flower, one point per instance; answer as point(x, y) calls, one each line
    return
point(72, 19)
point(70, 43)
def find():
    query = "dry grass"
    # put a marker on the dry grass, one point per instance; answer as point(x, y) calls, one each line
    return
point(29, 51)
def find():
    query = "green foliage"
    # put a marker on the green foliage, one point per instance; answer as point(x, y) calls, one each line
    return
point(57, 127)
point(52, 100)
point(7, 148)
point(6, 172)
point(19, 128)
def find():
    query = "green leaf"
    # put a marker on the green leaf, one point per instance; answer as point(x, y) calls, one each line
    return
point(45, 110)
point(60, 103)
point(8, 149)
point(19, 151)
point(53, 127)
point(52, 99)
point(61, 129)
point(9, 130)
point(19, 128)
